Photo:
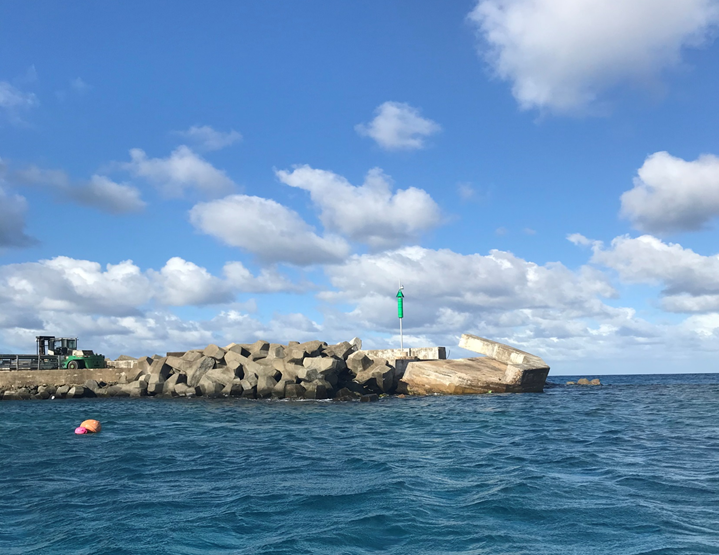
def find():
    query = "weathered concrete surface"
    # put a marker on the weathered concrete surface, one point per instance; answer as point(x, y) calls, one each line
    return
point(422, 353)
point(28, 378)
point(504, 370)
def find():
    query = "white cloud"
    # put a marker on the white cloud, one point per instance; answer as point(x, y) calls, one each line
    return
point(561, 55)
point(12, 98)
point(270, 231)
point(182, 170)
point(398, 126)
point(370, 213)
point(689, 280)
point(268, 281)
point(206, 138)
point(99, 192)
point(671, 194)
point(182, 283)
point(12, 221)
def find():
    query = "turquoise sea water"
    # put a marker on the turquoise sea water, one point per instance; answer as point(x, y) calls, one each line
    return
point(631, 467)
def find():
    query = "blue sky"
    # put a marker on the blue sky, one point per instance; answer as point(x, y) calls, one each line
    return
point(539, 172)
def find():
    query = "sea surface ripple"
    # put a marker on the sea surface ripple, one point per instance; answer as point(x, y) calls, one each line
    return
point(631, 467)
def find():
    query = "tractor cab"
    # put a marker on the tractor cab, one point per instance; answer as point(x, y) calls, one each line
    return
point(58, 346)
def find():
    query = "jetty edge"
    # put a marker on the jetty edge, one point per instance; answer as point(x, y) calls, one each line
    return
point(503, 369)
point(310, 370)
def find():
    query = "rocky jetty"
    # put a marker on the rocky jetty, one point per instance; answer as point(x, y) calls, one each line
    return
point(310, 370)
point(261, 370)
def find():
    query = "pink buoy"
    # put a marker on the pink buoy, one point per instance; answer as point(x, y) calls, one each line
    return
point(80, 430)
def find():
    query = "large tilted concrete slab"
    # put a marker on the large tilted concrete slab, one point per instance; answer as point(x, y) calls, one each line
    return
point(504, 369)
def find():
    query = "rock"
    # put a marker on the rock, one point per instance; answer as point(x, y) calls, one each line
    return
point(62, 391)
point(168, 387)
point(125, 357)
point(595, 381)
point(138, 388)
point(179, 364)
point(346, 394)
point(222, 375)
point(312, 348)
point(118, 391)
point(379, 377)
point(279, 390)
point(233, 389)
point(295, 355)
point(318, 389)
point(43, 393)
point(259, 349)
point(155, 388)
point(249, 381)
point(239, 349)
point(234, 361)
point(571, 383)
point(326, 368)
point(10, 395)
point(144, 363)
point(358, 362)
point(268, 371)
point(248, 393)
point(75, 392)
point(123, 378)
point(199, 368)
point(214, 351)
point(583, 381)
point(294, 391)
point(291, 371)
point(161, 369)
point(276, 351)
point(356, 343)
point(265, 386)
point(341, 350)
point(180, 390)
point(209, 387)
point(369, 398)
point(92, 385)
point(192, 356)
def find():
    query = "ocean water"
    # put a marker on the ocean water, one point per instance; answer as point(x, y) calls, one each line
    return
point(631, 467)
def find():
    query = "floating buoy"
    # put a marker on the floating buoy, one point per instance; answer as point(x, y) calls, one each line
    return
point(92, 426)
point(80, 430)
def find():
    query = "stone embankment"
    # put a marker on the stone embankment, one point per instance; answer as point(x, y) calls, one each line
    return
point(261, 370)
point(311, 370)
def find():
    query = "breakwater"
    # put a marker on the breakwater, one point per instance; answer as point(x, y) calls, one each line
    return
point(310, 370)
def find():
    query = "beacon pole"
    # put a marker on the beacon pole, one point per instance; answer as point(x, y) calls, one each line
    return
point(400, 314)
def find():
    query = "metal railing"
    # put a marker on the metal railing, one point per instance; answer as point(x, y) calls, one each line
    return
point(29, 362)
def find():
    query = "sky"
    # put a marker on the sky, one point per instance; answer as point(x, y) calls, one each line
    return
point(544, 173)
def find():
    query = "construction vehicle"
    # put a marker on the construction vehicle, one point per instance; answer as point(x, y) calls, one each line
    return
point(53, 353)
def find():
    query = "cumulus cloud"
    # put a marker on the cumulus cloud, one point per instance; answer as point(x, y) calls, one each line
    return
point(269, 280)
point(206, 138)
point(267, 229)
point(121, 309)
point(99, 192)
point(182, 170)
point(561, 55)
point(671, 194)
point(398, 126)
point(12, 221)
point(182, 283)
point(446, 294)
point(370, 213)
point(688, 279)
